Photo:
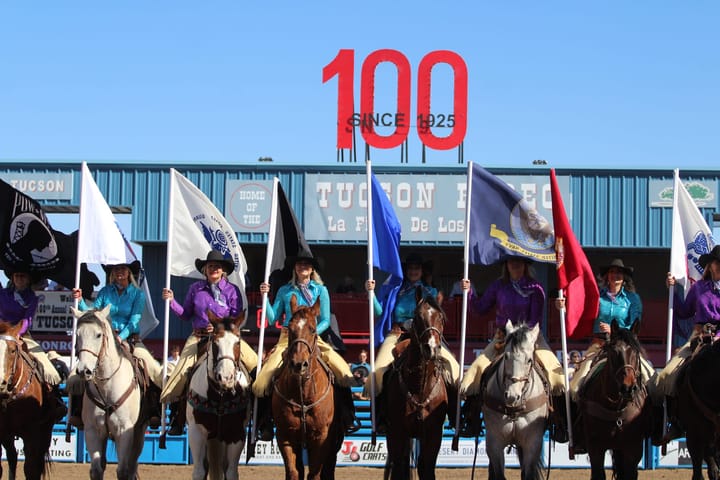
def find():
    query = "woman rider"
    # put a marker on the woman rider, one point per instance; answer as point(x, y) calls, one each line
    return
point(127, 303)
point(217, 294)
point(307, 286)
point(403, 312)
point(18, 304)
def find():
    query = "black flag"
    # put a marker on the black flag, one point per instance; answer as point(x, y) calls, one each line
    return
point(289, 241)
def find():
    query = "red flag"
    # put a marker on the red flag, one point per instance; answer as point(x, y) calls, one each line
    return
point(574, 273)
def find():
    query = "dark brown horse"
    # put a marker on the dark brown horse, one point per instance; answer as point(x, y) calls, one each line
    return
point(614, 409)
point(699, 404)
point(419, 402)
point(26, 409)
point(303, 402)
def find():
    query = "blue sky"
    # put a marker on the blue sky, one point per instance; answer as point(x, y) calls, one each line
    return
point(613, 84)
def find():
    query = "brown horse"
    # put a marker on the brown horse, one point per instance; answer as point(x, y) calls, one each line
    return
point(303, 401)
point(26, 409)
point(416, 381)
point(699, 404)
point(614, 409)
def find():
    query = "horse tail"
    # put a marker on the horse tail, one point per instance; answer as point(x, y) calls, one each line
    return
point(538, 471)
point(47, 464)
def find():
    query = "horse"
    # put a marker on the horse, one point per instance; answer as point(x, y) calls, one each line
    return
point(217, 403)
point(515, 405)
point(615, 412)
point(303, 401)
point(26, 409)
point(416, 380)
point(699, 405)
point(112, 398)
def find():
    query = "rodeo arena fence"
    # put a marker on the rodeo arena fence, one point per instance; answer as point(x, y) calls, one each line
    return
point(357, 449)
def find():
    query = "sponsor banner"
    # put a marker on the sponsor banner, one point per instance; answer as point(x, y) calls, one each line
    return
point(53, 313)
point(558, 455)
point(465, 455)
point(430, 207)
point(60, 450)
point(677, 455)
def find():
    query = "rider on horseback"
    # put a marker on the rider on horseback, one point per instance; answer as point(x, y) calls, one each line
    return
point(403, 312)
point(703, 303)
point(307, 286)
point(18, 303)
point(127, 303)
point(223, 299)
point(517, 297)
point(619, 302)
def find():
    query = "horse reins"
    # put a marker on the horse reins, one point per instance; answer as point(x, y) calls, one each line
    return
point(304, 408)
point(527, 405)
point(215, 362)
point(98, 400)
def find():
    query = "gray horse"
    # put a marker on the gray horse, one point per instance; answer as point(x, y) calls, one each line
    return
point(515, 406)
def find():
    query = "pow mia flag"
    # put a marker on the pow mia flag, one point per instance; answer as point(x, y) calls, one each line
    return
point(27, 238)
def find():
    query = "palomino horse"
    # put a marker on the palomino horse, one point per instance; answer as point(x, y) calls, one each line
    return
point(26, 409)
point(417, 400)
point(515, 404)
point(303, 401)
point(699, 403)
point(614, 409)
point(218, 398)
point(111, 405)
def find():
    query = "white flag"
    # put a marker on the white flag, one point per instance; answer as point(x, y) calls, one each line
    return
point(198, 226)
point(99, 237)
point(691, 237)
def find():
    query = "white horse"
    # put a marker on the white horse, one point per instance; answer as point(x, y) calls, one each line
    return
point(515, 406)
point(111, 405)
point(217, 405)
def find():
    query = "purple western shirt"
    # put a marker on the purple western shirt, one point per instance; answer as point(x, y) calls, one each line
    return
point(522, 302)
point(702, 303)
point(13, 312)
point(200, 299)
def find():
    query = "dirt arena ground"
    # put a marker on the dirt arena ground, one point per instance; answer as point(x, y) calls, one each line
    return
point(73, 471)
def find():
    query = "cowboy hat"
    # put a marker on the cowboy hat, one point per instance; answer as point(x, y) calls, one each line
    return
point(302, 256)
point(616, 263)
point(10, 270)
point(706, 258)
point(133, 266)
point(214, 256)
point(413, 258)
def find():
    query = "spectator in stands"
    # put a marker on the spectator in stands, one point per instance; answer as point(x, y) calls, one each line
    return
point(307, 287)
point(347, 286)
point(214, 293)
point(18, 304)
point(361, 369)
point(574, 362)
point(518, 297)
point(703, 304)
point(403, 312)
point(457, 289)
point(173, 359)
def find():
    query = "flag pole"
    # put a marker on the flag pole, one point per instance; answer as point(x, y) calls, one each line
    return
point(563, 339)
point(166, 315)
point(76, 301)
point(463, 317)
point(250, 452)
point(371, 295)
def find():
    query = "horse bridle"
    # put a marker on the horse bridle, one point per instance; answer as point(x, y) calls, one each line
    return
point(216, 361)
point(427, 331)
point(100, 355)
point(11, 378)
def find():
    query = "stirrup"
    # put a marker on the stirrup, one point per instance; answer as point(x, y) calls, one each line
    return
point(354, 426)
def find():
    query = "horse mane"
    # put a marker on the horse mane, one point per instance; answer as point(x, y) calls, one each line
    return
point(519, 336)
point(627, 337)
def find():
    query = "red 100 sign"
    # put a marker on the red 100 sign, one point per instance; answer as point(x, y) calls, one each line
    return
point(343, 65)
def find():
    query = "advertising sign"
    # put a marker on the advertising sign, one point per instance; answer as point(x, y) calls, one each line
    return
point(53, 312)
point(60, 450)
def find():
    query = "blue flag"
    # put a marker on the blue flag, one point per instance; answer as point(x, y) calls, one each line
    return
point(386, 246)
point(503, 224)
